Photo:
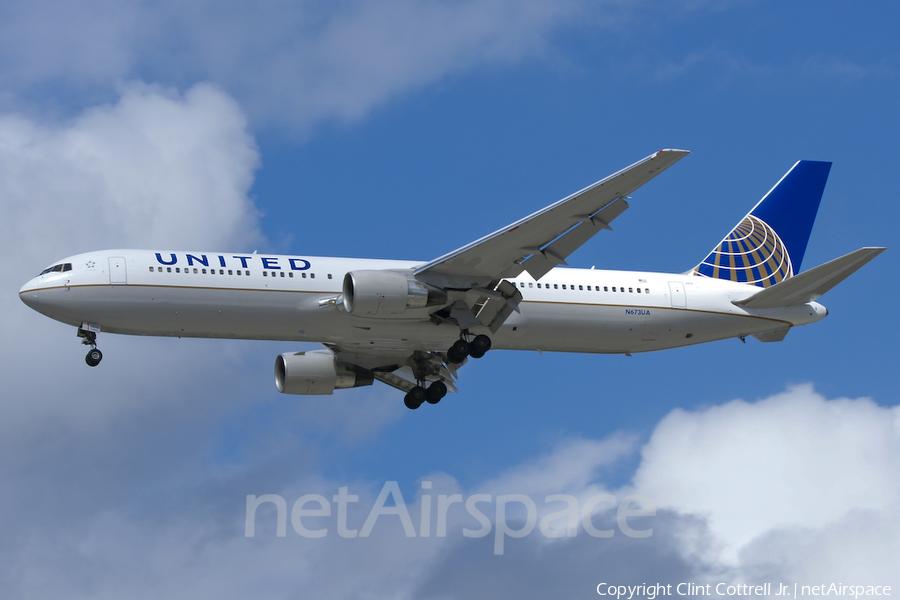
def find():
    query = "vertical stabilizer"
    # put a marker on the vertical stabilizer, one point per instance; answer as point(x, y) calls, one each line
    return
point(768, 245)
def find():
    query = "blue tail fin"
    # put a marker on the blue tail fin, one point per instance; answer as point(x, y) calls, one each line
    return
point(767, 246)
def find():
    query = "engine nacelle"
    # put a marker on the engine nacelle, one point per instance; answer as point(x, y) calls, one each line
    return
point(316, 372)
point(387, 294)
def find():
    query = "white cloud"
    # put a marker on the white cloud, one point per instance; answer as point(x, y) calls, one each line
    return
point(792, 460)
point(294, 63)
point(155, 169)
point(713, 474)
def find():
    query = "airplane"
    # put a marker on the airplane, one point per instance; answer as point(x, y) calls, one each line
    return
point(413, 324)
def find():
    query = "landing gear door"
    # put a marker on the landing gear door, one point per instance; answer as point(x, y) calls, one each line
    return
point(676, 289)
point(117, 275)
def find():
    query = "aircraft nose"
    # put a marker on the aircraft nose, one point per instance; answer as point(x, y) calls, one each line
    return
point(30, 294)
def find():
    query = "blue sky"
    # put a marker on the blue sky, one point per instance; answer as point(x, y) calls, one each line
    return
point(405, 129)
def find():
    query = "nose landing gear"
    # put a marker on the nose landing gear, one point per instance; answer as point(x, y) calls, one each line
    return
point(89, 338)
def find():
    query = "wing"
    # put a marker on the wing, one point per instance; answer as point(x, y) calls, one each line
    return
point(473, 277)
point(543, 240)
point(389, 365)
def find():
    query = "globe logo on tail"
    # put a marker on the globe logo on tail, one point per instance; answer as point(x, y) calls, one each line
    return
point(752, 253)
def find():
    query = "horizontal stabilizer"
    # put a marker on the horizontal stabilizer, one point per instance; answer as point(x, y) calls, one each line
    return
point(810, 285)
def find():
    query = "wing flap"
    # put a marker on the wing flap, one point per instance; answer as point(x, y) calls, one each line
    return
point(541, 262)
point(812, 284)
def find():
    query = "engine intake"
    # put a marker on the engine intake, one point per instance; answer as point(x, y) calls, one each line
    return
point(387, 294)
point(317, 372)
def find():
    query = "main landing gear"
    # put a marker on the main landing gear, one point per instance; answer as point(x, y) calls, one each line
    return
point(432, 395)
point(89, 338)
point(462, 348)
point(434, 392)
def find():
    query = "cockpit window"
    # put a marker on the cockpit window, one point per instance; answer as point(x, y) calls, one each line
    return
point(60, 268)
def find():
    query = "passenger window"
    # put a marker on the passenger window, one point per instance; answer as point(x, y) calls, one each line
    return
point(265, 273)
point(614, 288)
point(531, 285)
point(247, 273)
point(291, 274)
point(630, 290)
point(303, 275)
point(195, 270)
point(564, 286)
point(178, 269)
point(555, 286)
point(639, 290)
point(589, 288)
point(605, 288)
point(581, 287)
point(312, 275)
point(230, 272)
point(282, 274)
point(646, 290)
point(168, 269)
point(329, 275)
point(151, 269)
point(539, 286)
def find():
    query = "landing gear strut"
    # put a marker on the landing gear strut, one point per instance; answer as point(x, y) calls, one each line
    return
point(89, 338)
point(477, 348)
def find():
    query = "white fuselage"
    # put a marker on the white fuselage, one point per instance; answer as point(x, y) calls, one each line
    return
point(269, 297)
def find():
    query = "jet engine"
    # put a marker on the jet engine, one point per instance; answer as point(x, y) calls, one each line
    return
point(316, 372)
point(387, 294)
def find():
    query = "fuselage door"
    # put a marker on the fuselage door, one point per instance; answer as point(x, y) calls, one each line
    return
point(117, 274)
point(676, 290)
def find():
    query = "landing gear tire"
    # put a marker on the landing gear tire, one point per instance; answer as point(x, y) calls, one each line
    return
point(435, 392)
point(458, 351)
point(479, 346)
point(415, 397)
point(93, 357)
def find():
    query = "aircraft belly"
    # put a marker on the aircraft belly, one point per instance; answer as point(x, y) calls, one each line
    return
point(296, 316)
point(620, 329)
point(193, 312)
point(558, 327)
